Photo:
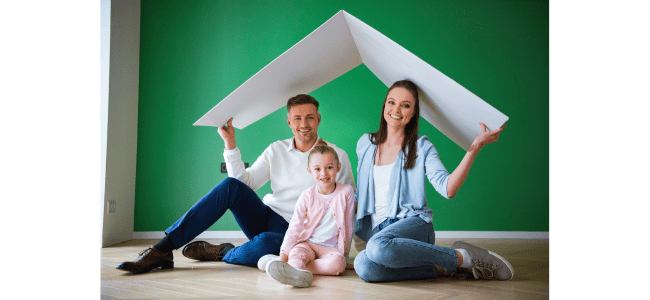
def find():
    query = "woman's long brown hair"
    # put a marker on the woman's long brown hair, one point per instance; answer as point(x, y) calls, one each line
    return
point(411, 129)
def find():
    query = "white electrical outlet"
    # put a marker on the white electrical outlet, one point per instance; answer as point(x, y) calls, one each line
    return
point(111, 206)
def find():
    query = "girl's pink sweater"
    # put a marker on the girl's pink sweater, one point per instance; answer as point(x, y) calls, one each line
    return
point(309, 211)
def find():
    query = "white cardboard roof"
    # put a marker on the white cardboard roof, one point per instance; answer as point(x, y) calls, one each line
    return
point(338, 46)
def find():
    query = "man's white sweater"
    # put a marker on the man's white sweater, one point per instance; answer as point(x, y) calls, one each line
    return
point(286, 167)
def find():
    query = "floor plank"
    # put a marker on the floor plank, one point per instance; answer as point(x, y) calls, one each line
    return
point(217, 280)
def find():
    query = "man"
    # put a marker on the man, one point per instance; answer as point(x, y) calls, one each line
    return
point(263, 221)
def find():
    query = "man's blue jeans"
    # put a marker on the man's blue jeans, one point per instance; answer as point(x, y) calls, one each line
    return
point(264, 228)
point(403, 249)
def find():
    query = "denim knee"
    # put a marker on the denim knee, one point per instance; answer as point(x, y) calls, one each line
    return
point(229, 181)
point(269, 239)
point(269, 235)
point(362, 266)
point(380, 251)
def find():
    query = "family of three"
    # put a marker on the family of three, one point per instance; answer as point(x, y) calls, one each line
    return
point(306, 226)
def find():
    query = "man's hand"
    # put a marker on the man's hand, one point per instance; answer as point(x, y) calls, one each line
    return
point(227, 133)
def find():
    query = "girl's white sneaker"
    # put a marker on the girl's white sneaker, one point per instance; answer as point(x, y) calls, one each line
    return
point(264, 260)
point(285, 273)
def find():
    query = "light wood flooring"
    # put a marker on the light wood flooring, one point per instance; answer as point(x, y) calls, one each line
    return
point(217, 280)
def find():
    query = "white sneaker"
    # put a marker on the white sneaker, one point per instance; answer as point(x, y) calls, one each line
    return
point(285, 273)
point(261, 264)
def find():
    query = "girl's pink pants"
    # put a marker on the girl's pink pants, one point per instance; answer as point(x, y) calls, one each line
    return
point(317, 259)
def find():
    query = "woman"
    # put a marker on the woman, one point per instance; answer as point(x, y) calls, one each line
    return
point(392, 215)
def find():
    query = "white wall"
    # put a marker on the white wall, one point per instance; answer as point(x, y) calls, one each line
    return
point(120, 50)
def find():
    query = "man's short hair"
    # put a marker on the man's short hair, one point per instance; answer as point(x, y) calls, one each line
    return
point(301, 99)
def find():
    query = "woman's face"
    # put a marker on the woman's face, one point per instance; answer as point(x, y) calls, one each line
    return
point(399, 107)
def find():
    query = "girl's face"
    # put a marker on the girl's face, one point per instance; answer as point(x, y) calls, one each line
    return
point(399, 107)
point(323, 167)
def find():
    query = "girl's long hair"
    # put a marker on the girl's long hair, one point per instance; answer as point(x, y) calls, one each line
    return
point(411, 129)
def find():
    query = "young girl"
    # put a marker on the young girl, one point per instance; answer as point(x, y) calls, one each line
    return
point(320, 232)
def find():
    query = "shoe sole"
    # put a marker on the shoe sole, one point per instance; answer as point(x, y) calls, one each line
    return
point(163, 266)
point(466, 246)
point(284, 273)
point(264, 260)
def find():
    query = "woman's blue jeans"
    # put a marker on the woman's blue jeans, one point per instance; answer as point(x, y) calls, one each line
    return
point(264, 228)
point(403, 249)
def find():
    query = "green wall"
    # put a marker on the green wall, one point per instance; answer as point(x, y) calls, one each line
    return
point(194, 53)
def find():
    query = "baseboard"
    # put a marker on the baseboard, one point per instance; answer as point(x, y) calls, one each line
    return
point(144, 235)
point(492, 234)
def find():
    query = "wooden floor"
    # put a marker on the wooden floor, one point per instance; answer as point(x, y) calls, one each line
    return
point(217, 280)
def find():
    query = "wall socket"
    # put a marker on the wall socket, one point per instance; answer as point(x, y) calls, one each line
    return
point(112, 206)
point(224, 170)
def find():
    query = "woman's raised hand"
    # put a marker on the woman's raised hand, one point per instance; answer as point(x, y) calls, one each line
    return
point(486, 137)
point(227, 133)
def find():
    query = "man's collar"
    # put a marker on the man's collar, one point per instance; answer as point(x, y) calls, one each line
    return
point(292, 145)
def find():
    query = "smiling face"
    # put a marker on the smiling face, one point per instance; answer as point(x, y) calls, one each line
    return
point(399, 107)
point(323, 167)
point(304, 120)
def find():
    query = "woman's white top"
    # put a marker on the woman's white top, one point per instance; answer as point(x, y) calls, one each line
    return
point(326, 233)
point(381, 176)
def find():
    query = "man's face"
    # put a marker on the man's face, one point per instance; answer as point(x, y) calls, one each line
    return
point(304, 120)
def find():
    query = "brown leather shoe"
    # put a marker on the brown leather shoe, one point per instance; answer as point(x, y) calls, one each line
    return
point(204, 251)
point(148, 260)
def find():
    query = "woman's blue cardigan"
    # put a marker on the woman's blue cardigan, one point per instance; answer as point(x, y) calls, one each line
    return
point(406, 192)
